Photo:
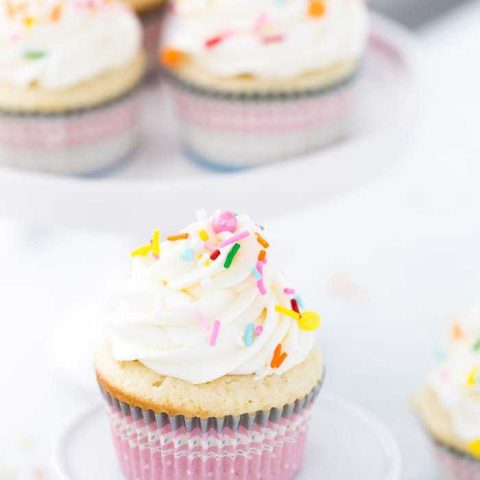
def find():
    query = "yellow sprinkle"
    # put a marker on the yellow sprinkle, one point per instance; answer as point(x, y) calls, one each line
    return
point(287, 312)
point(156, 243)
point(203, 235)
point(142, 251)
point(309, 321)
point(472, 377)
point(30, 22)
point(207, 262)
point(474, 448)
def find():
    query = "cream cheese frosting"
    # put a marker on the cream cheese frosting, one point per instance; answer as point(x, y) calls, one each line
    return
point(456, 380)
point(272, 39)
point(208, 302)
point(56, 44)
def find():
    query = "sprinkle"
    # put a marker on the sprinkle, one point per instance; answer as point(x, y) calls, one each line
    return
point(457, 332)
point(476, 345)
point(156, 243)
point(287, 312)
point(178, 236)
point(248, 336)
point(309, 321)
point(316, 8)
point(261, 287)
point(203, 235)
point(258, 330)
point(203, 320)
point(56, 13)
point(294, 305)
point(288, 291)
point(34, 54)
point(231, 255)
point(142, 251)
point(214, 335)
point(474, 448)
point(278, 357)
point(472, 377)
point(215, 255)
point(260, 22)
point(273, 38)
point(187, 255)
point(30, 22)
point(213, 41)
point(170, 57)
point(262, 241)
point(262, 256)
point(256, 273)
point(299, 300)
point(234, 238)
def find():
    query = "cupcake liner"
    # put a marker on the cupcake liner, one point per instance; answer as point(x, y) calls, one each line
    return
point(74, 142)
point(456, 465)
point(152, 26)
point(241, 130)
point(267, 445)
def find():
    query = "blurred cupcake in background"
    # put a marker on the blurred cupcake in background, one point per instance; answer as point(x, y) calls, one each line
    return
point(150, 13)
point(211, 368)
point(449, 403)
point(261, 80)
point(69, 72)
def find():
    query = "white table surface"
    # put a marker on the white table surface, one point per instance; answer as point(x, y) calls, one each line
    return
point(387, 266)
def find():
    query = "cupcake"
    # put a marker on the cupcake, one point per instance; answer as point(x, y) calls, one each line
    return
point(256, 81)
point(449, 403)
point(150, 13)
point(69, 72)
point(211, 368)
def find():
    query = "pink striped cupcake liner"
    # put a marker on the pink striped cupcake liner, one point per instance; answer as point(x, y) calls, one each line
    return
point(456, 465)
point(236, 131)
point(76, 142)
point(155, 446)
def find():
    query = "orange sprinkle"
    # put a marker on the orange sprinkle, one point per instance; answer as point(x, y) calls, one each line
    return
point(457, 332)
point(317, 8)
point(276, 354)
point(281, 359)
point(262, 241)
point(170, 57)
point(262, 255)
point(179, 236)
point(56, 13)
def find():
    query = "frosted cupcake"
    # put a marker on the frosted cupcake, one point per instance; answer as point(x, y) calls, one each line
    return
point(261, 80)
point(211, 368)
point(150, 13)
point(69, 72)
point(449, 404)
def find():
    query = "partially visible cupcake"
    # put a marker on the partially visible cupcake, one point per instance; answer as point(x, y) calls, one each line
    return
point(211, 367)
point(69, 72)
point(261, 80)
point(150, 13)
point(449, 403)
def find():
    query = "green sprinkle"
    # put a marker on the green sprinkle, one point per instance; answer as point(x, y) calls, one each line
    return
point(34, 54)
point(231, 255)
point(476, 345)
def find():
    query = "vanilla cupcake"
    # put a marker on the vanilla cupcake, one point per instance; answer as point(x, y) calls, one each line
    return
point(211, 367)
point(150, 13)
point(449, 403)
point(69, 72)
point(261, 80)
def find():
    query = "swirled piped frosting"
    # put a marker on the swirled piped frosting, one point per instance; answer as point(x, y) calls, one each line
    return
point(456, 380)
point(272, 39)
point(56, 44)
point(207, 302)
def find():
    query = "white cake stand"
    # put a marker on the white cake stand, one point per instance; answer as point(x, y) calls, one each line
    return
point(161, 184)
point(345, 442)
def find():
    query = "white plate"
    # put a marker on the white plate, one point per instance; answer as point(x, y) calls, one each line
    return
point(161, 183)
point(345, 443)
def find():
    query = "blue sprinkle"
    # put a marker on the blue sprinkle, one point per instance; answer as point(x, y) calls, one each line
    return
point(249, 332)
point(256, 273)
point(187, 255)
point(299, 302)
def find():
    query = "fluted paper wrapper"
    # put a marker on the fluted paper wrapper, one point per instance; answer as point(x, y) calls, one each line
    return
point(456, 465)
point(231, 131)
point(267, 445)
point(82, 141)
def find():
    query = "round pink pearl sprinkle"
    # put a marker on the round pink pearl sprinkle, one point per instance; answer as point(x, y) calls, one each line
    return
point(224, 222)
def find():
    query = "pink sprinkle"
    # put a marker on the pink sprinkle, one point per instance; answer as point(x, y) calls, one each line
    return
point(214, 335)
point(273, 38)
point(214, 41)
point(289, 291)
point(258, 330)
point(234, 239)
point(261, 287)
point(260, 22)
point(203, 320)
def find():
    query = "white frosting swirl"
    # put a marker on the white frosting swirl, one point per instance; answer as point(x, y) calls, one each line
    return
point(56, 44)
point(169, 306)
point(456, 380)
point(267, 38)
